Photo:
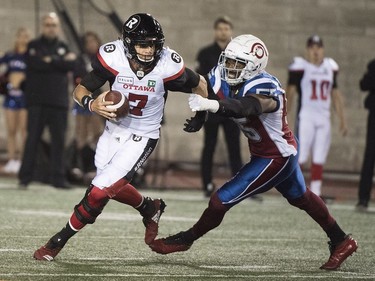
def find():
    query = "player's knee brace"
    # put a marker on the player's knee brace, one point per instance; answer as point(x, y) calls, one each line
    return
point(91, 205)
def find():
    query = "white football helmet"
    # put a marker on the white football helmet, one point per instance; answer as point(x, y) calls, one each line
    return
point(243, 58)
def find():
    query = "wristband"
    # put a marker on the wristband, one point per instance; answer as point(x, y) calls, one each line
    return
point(86, 102)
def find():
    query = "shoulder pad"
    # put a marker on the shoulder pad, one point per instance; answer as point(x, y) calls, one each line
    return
point(263, 84)
point(110, 51)
point(298, 64)
point(171, 63)
point(332, 63)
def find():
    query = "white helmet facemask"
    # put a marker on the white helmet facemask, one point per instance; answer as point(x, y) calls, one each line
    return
point(243, 58)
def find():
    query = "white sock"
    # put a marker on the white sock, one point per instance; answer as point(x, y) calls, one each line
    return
point(316, 186)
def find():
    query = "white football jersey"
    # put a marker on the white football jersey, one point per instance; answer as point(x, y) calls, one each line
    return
point(315, 86)
point(146, 94)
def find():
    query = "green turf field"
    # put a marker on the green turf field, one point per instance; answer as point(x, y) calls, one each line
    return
point(257, 241)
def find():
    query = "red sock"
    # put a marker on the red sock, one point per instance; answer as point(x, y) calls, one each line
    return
point(211, 217)
point(129, 195)
point(316, 171)
point(315, 207)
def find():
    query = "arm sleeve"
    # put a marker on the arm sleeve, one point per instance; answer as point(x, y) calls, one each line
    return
point(237, 108)
point(185, 82)
point(92, 81)
point(97, 77)
point(295, 78)
point(334, 85)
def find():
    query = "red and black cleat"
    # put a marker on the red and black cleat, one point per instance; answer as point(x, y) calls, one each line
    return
point(46, 254)
point(171, 244)
point(340, 253)
point(152, 222)
point(49, 251)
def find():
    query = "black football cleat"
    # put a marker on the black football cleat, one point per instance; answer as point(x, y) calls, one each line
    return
point(171, 244)
point(152, 222)
point(340, 252)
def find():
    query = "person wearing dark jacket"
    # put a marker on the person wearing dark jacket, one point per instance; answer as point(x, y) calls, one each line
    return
point(207, 58)
point(367, 83)
point(48, 62)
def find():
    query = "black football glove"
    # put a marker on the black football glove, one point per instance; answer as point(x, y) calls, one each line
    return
point(194, 124)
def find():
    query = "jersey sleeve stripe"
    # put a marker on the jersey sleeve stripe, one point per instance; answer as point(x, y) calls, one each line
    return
point(105, 65)
point(174, 76)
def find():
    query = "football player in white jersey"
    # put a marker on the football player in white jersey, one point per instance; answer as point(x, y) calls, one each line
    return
point(244, 91)
point(143, 70)
point(315, 81)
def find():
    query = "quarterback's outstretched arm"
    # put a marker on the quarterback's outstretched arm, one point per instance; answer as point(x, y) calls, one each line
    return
point(188, 82)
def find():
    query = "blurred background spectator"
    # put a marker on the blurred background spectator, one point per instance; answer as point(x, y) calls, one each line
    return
point(47, 99)
point(13, 82)
point(88, 126)
point(314, 81)
point(207, 58)
point(367, 83)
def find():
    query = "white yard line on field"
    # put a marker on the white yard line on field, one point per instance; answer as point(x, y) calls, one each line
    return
point(103, 216)
point(284, 275)
point(13, 250)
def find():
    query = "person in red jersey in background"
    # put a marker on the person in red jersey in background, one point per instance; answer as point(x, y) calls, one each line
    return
point(241, 89)
point(315, 81)
point(143, 70)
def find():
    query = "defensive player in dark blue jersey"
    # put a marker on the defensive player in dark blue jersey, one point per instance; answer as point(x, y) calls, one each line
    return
point(255, 100)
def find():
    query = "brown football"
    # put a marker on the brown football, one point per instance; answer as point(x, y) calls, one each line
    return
point(120, 103)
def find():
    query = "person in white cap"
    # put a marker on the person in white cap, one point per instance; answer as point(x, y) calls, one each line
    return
point(314, 80)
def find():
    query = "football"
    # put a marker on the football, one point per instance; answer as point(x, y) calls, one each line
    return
point(120, 103)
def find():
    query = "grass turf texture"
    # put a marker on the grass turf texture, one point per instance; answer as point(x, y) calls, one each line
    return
point(256, 241)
